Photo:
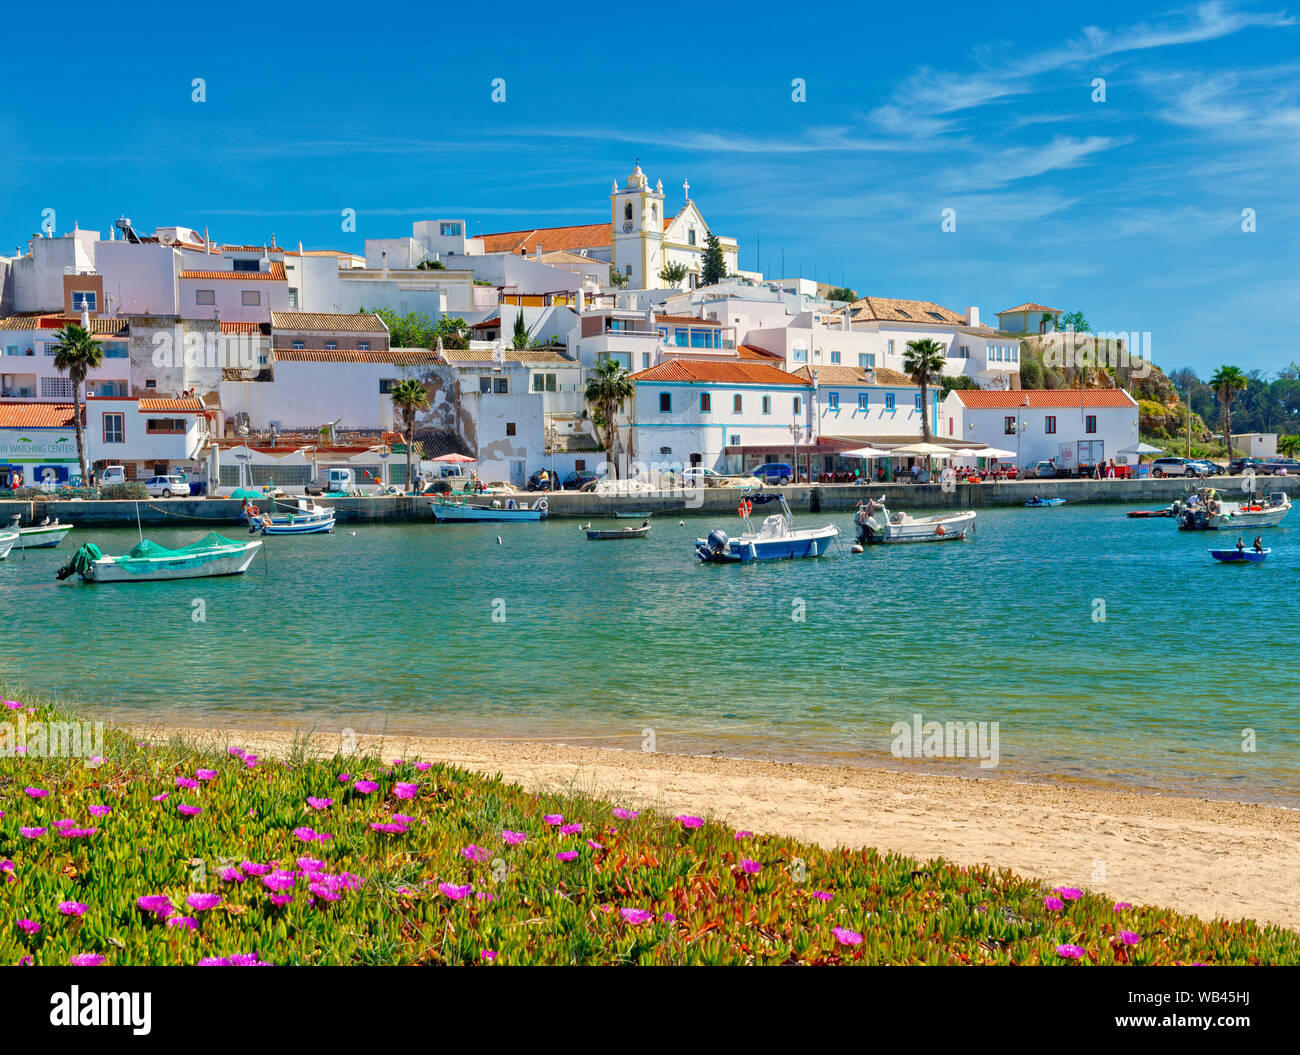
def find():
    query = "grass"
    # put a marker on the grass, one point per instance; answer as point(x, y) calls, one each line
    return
point(439, 883)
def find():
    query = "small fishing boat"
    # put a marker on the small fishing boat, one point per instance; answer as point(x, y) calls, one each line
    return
point(8, 539)
point(1204, 510)
point(599, 535)
point(1142, 514)
point(47, 534)
point(774, 539)
point(1037, 503)
point(631, 516)
point(306, 518)
point(147, 561)
point(449, 510)
point(1240, 556)
point(876, 525)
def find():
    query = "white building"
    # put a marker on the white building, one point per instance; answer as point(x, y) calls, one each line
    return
point(1039, 425)
point(27, 358)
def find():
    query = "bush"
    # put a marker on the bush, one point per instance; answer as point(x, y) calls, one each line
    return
point(131, 491)
point(1031, 374)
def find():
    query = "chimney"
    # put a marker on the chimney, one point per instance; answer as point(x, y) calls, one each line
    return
point(539, 250)
point(384, 257)
point(972, 316)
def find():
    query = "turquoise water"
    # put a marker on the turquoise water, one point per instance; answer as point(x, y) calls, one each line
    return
point(392, 629)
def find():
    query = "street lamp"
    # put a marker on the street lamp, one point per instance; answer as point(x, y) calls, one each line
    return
point(794, 441)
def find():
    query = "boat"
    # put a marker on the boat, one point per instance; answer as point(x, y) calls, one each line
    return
point(450, 510)
point(8, 539)
point(774, 539)
point(1240, 556)
point(306, 518)
point(876, 524)
point(631, 516)
point(47, 534)
point(1035, 503)
point(1141, 514)
point(629, 532)
point(1204, 510)
point(147, 561)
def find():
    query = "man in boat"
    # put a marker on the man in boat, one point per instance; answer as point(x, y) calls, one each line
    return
point(1259, 544)
point(1240, 545)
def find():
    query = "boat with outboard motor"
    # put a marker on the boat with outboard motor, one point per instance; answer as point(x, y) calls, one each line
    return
point(306, 518)
point(450, 510)
point(774, 539)
point(1040, 503)
point(1205, 510)
point(147, 561)
point(877, 525)
point(608, 534)
point(45, 535)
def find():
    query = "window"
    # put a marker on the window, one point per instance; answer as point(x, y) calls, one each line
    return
point(510, 428)
point(1090, 423)
point(835, 358)
point(205, 296)
point(250, 298)
point(706, 403)
point(293, 297)
point(501, 386)
point(1008, 426)
point(1014, 352)
point(363, 346)
point(645, 360)
point(450, 230)
point(331, 346)
point(116, 350)
point(386, 385)
point(114, 428)
point(889, 401)
point(767, 404)
point(544, 382)
point(833, 401)
point(862, 401)
point(681, 337)
point(84, 298)
point(798, 404)
point(150, 383)
point(735, 440)
point(164, 426)
point(580, 464)
point(298, 345)
point(627, 211)
point(56, 388)
point(484, 384)
point(951, 427)
point(1049, 424)
point(889, 347)
point(246, 265)
point(800, 355)
point(867, 361)
point(737, 404)
point(690, 236)
point(916, 402)
point(665, 402)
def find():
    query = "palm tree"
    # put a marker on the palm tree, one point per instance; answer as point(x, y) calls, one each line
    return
point(76, 354)
point(924, 360)
point(1227, 382)
point(607, 390)
point(1288, 445)
point(409, 395)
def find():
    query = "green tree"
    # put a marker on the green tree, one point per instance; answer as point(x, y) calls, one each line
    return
point(714, 267)
point(76, 353)
point(1227, 382)
point(409, 396)
point(842, 293)
point(453, 330)
point(430, 265)
point(412, 330)
point(519, 339)
point(1073, 320)
point(1031, 373)
point(616, 277)
point(1288, 445)
point(608, 388)
point(673, 274)
point(923, 362)
point(949, 382)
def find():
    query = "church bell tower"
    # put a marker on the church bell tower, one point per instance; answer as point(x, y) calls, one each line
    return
point(637, 215)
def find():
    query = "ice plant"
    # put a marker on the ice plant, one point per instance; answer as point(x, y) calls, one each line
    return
point(406, 791)
point(456, 893)
point(319, 804)
point(1129, 938)
point(32, 833)
point(28, 926)
point(205, 774)
point(624, 814)
point(99, 811)
point(186, 782)
point(364, 787)
point(72, 908)
point(188, 810)
point(85, 959)
point(553, 819)
point(183, 922)
point(159, 905)
point(567, 855)
point(1071, 952)
point(751, 867)
point(203, 902)
point(845, 936)
point(571, 829)
point(36, 793)
point(690, 822)
point(636, 915)
point(1053, 904)
point(1069, 893)
point(475, 853)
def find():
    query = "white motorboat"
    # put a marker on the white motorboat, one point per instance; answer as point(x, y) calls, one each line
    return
point(47, 534)
point(306, 518)
point(8, 539)
point(147, 561)
point(775, 539)
point(450, 510)
point(1207, 510)
point(876, 524)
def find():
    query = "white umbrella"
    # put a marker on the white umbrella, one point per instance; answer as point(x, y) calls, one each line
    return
point(966, 452)
point(864, 452)
point(994, 452)
point(1142, 448)
point(923, 450)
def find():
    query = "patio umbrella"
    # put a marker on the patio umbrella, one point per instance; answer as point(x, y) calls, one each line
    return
point(454, 458)
point(994, 452)
point(864, 452)
point(1142, 448)
point(923, 450)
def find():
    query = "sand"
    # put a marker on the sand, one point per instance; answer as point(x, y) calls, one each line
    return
point(1204, 857)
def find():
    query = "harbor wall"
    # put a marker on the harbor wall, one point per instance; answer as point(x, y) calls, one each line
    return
point(209, 513)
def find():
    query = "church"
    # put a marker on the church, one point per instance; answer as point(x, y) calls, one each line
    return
point(640, 240)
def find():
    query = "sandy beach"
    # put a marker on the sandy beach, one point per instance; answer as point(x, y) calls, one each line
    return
point(1199, 856)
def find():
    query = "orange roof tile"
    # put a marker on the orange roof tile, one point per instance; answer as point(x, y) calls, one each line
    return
point(254, 328)
point(582, 236)
point(1028, 306)
point(1063, 398)
point(890, 309)
point(395, 356)
point(36, 415)
point(188, 406)
point(714, 372)
point(275, 274)
point(327, 322)
point(687, 318)
point(751, 351)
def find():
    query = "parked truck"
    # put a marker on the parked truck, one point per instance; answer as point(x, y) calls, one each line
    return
point(1080, 458)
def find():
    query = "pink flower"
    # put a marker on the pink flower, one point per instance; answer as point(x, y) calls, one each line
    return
point(278, 881)
point(32, 833)
point(1120, 906)
point(512, 838)
point(553, 819)
point(205, 774)
point(1069, 893)
point(280, 899)
point(323, 892)
point(690, 822)
point(846, 937)
point(571, 829)
point(186, 782)
point(203, 902)
point(28, 926)
point(625, 815)
point(456, 893)
point(305, 834)
point(743, 835)
point(1129, 938)
point(77, 833)
point(189, 811)
point(406, 791)
point(188, 922)
point(158, 904)
point(1070, 952)
point(822, 895)
point(566, 855)
point(752, 867)
point(475, 853)
point(237, 752)
point(594, 845)
point(72, 908)
point(389, 829)
point(487, 954)
point(254, 869)
point(310, 864)
point(344, 777)
point(1053, 904)
point(365, 787)
point(160, 798)
point(423, 766)
point(67, 822)
point(319, 804)
point(250, 761)
point(36, 793)
point(669, 918)
point(99, 811)
point(85, 959)
point(13, 705)
point(636, 915)
point(231, 874)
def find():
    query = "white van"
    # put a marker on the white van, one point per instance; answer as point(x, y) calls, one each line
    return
point(112, 476)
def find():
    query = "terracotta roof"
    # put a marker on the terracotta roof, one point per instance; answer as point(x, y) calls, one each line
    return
point(36, 415)
point(316, 322)
point(395, 356)
point(582, 236)
point(526, 357)
point(752, 351)
point(747, 372)
point(188, 406)
point(103, 327)
point(687, 318)
point(1062, 398)
point(252, 249)
point(1029, 306)
point(563, 256)
point(888, 309)
point(275, 274)
point(854, 375)
point(323, 252)
point(254, 328)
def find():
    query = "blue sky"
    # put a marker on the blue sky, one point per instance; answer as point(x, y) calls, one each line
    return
point(1129, 209)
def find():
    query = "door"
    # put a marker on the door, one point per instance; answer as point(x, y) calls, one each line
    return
point(517, 474)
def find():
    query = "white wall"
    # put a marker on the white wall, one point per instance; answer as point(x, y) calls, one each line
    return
point(139, 279)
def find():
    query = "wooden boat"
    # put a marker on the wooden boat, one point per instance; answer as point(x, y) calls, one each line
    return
point(774, 539)
point(307, 518)
point(1035, 503)
point(877, 525)
point(46, 534)
point(1140, 514)
point(147, 561)
point(631, 516)
point(8, 539)
point(600, 535)
point(449, 510)
point(1240, 556)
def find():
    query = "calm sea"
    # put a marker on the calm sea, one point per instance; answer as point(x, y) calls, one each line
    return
point(1106, 650)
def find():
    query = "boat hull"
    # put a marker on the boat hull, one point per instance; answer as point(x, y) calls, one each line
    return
point(609, 536)
point(7, 542)
point(447, 513)
point(1044, 503)
point(42, 537)
point(303, 525)
point(873, 532)
point(1233, 556)
point(161, 569)
point(744, 549)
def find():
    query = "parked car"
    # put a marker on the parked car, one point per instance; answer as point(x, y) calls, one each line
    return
point(1044, 470)
point(1205, 467)
point(1280, 466)
point(551, 483)
point(112, 476)
point(1175, 467)
point(774, 473)
point(166, 486)
point(698, 476)
point(578, 479)
point(1240, 465)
